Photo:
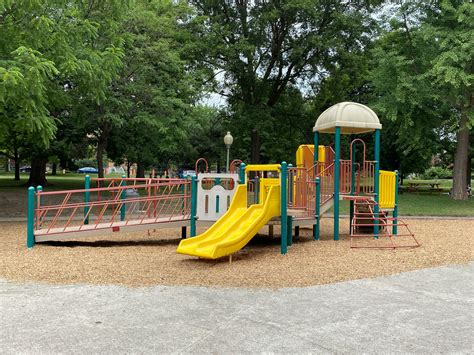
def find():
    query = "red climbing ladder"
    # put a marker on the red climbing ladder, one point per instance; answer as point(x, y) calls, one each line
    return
point(363, 232)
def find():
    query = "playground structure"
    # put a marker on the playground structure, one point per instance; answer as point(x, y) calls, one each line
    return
point(236, 206)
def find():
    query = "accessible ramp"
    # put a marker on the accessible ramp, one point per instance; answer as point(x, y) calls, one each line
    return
point(236, 227)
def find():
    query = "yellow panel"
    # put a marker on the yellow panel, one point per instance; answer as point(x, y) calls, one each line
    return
point(387, 182)
point(321, 154)
point(305, 155)
point(263, 167)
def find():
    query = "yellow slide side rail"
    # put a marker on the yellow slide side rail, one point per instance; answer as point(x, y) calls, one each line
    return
point(387, 189)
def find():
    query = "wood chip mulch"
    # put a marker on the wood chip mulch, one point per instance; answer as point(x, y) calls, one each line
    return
point(136, 259)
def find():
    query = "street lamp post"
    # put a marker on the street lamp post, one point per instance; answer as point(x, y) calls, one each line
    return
point(228, 139)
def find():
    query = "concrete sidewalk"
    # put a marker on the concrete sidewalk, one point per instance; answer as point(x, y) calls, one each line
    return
point(422, 311)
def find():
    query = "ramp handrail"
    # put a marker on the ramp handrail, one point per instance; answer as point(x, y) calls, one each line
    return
point(153, 202)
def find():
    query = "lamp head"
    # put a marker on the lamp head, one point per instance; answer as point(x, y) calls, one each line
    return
point(228, 139)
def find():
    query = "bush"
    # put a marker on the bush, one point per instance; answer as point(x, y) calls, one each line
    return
point(437, 172)
point(82, 163)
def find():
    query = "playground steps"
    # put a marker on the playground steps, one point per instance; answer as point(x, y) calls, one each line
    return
point(363, 227)
point(84, 230)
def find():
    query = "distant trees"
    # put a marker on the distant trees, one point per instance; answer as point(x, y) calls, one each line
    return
point(126, 79)
point(422, 79)
point(266, 51)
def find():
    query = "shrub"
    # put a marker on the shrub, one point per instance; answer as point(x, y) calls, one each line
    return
point(82, 163)
point(437, 172)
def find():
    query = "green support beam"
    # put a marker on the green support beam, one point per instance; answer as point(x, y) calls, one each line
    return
point(192, 231)
point(30, 237)
point(87, 186)
point(283, 213)
point(376, 181)
point(395, 208)
point(123, 196)
point(316, 144)
point(337, 163)
point(317, 210)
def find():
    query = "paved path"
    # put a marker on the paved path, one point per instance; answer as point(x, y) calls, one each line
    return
point(422, 311)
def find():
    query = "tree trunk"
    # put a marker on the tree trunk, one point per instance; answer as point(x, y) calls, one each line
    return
point(105, 129)
point(54, 169)
point(140, 170)
point(255, 148)
point(100, 158)
point(16, 160)
point(459, 191)
point(38, 171)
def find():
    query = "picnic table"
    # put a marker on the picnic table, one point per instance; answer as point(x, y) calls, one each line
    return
point(431, 187)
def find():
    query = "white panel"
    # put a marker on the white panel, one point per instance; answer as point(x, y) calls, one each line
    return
point(212, 194)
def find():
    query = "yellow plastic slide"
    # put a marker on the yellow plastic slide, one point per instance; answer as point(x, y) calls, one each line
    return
point(236, 227)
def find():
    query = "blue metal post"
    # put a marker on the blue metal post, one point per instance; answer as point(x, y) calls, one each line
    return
point(192, 231)
point(283, 213)
point(317, 209)
point(87, 186)
point(30, 237)
point(242, 174)
point(337, 157)
point(123, 196)
point(376, 181)
point(395, 208)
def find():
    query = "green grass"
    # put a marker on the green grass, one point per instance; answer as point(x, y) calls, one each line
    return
point(59, 182)
point(443, 183)
point(427, 205)
point(410, 204)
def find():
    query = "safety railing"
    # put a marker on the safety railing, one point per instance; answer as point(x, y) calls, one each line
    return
point(367, 180)
point(302, 189)
point(345, 177)
point(154, 201)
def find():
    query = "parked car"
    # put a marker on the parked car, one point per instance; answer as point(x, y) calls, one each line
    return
point(87, 170)
point(25, 169)
point(186, 174)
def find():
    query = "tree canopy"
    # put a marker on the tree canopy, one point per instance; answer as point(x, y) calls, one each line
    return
point(127, 80)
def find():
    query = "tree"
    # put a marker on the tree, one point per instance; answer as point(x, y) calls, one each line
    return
point(262, 48)
point(50, 50)
point(423, 76)
point(152, 100)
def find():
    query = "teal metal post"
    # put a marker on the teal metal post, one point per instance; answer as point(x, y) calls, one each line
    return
point(87, 186)
point(290, 230)
point(317, 209)
point(376, 181)
point(395, 208)
point(30, 236)
point(242, 174)
point(283, 213)
point(316, 145)
point(123, 196)
point(192, 231)
point(337, 157)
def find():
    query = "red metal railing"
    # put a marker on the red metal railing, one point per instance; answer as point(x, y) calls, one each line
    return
point(367, 177)
point(154, 201)
point(302, 188)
